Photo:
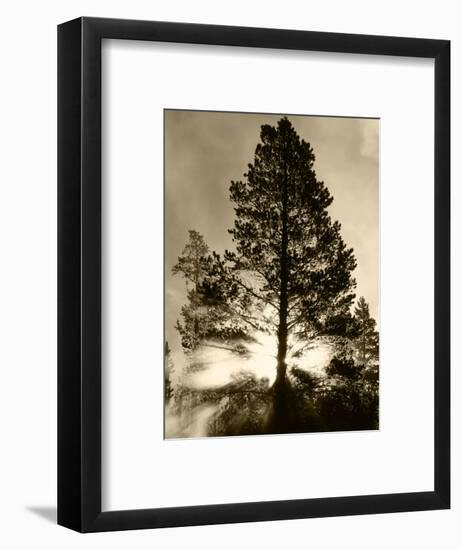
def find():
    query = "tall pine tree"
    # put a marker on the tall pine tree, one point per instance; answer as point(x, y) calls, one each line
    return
point(291, 272)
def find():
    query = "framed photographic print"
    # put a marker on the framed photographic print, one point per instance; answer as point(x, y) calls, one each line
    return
point(253, 274)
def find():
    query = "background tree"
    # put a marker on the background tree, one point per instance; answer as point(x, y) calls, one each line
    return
point(222, 315)
point(367, 340)
point(190, 267)
point(169, 368)
point(348, 399)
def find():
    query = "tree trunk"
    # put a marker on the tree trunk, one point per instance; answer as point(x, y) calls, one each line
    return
point(282, 350)
point(282, 333)
point(284, 414)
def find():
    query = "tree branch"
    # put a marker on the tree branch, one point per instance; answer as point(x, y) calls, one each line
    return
point(253, 293)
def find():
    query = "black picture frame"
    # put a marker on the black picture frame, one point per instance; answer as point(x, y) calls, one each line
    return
point(79, 274)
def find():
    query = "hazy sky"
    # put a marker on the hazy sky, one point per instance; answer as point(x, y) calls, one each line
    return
point(205, 151)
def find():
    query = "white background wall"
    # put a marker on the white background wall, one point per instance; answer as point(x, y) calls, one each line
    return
point(28, 272)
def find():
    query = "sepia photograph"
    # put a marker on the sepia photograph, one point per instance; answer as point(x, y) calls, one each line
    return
point(271, 274)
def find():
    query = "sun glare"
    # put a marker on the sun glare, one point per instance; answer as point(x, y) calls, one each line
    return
point(215, 364)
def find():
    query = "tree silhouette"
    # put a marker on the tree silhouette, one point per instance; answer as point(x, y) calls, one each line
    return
point(189, 265)
point(348, 398)
point(223, 316)
point(367, 341)
point(291, 272)
point(169, 368)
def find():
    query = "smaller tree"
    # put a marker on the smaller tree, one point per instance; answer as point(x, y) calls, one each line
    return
point(366, 343)
point(169, 368)
point(348, 397)
point(190, 267)
point(189, 264)
point(217, 307)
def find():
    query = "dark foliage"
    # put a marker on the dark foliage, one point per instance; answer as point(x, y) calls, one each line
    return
point(344, 368)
